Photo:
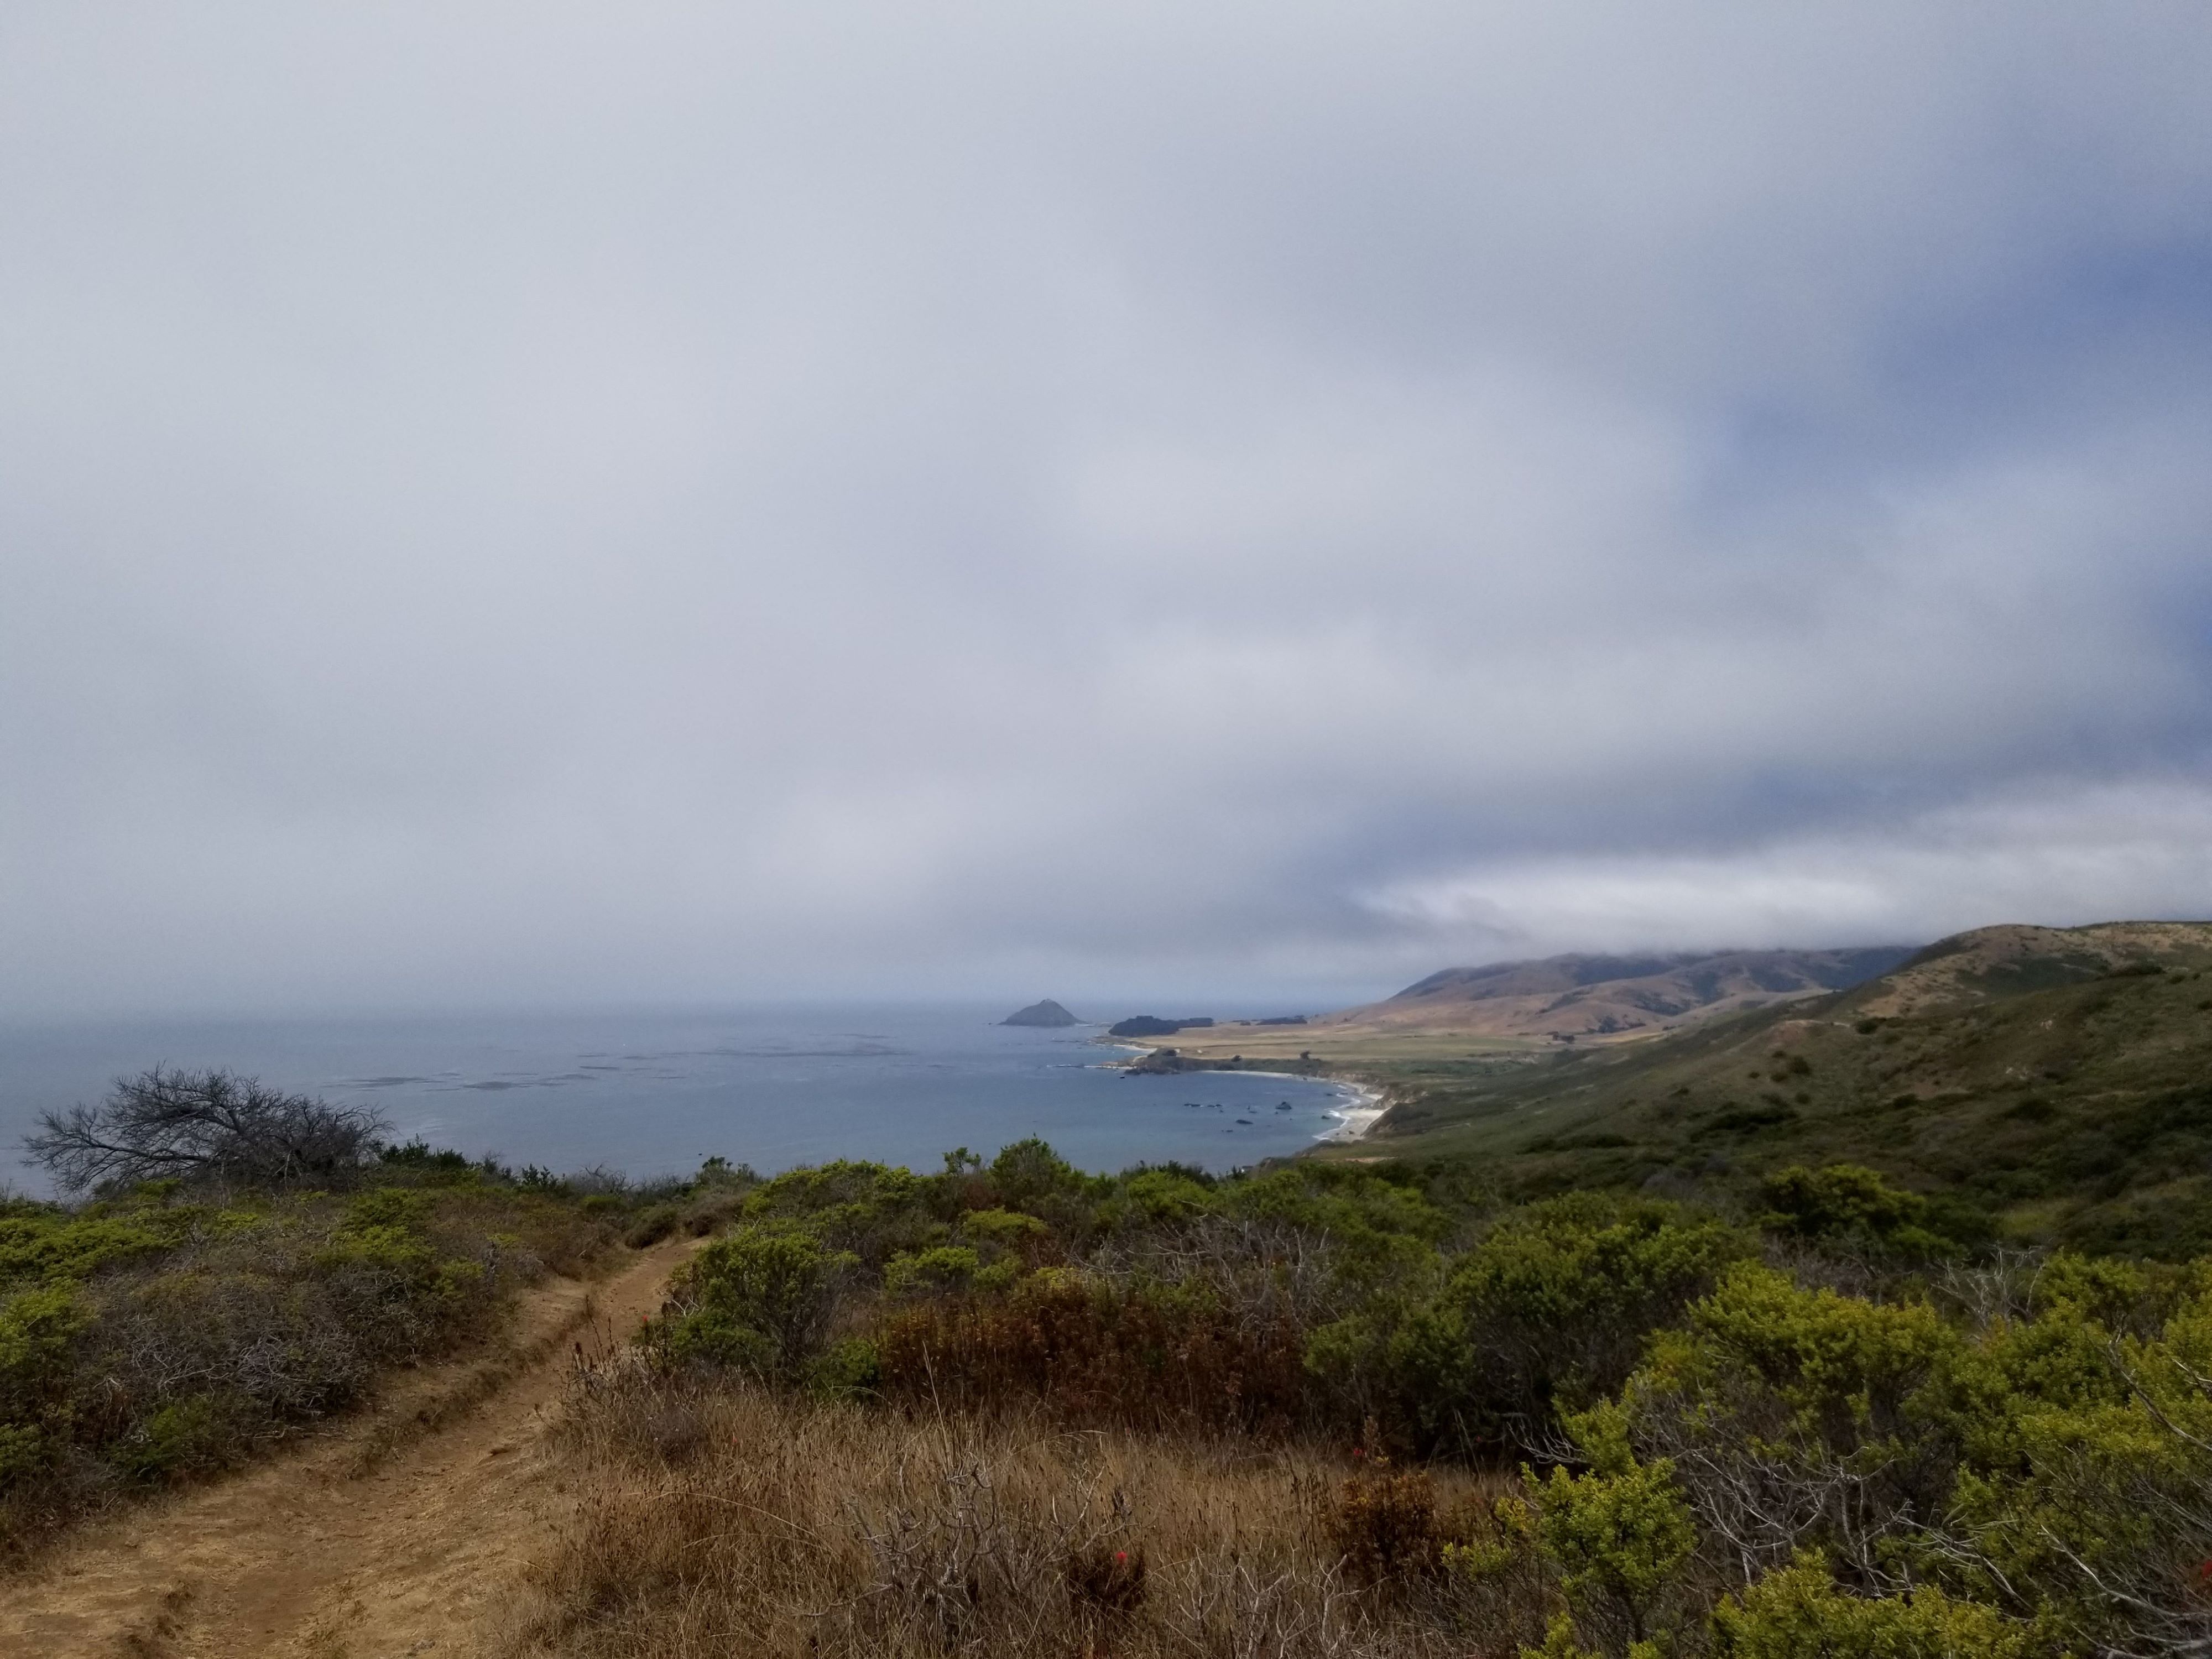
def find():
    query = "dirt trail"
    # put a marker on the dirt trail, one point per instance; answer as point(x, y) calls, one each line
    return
point(310, 1556)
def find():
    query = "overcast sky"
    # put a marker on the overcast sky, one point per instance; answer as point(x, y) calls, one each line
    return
point(562, 503)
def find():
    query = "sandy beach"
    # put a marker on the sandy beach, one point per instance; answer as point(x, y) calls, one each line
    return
point(1363, 1110)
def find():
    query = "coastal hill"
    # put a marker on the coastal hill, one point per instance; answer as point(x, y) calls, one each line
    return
point(1605, 996)
point(2056, 1082)
point(1046, 1013)
point(1520, 1007)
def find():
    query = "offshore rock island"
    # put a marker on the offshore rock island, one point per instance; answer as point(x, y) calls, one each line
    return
point(1047, 1013)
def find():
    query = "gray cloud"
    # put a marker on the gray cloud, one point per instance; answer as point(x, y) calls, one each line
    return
point(511, 502)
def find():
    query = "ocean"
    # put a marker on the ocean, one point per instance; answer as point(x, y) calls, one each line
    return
point(656, 1093)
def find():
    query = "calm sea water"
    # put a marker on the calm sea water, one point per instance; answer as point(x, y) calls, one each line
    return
point(655, 1093)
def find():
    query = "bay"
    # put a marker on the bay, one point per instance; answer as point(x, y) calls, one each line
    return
point(655, 1092)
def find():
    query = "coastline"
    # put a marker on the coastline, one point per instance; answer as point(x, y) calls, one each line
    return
point(1363, 1108)
point(1355, 1119)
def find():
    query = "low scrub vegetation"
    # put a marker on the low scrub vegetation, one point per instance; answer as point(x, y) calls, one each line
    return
point(1331, 1409)
point(1375, 1410)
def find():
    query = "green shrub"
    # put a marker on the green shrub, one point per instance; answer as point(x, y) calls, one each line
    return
point(440, 1166)
point(1849, 1204)
point(39, 1329)
point(850, 1370)
point(1559, 1643)
point(946, 1268)
point(1557, 1298)
point(25, 1452)
point(2087, 1462)
point(1374, 1228)
point(184, 1437)
point(1028, 1174)
point(1006, 1228)
point(1408, 1362)
point(758, 1300)
point(870, 1211)
point(1618, 1538)
point(402, 1208)
point(1156, 1198)
point(1799, 1417)
point(50, 1244)
point(1797, 1613)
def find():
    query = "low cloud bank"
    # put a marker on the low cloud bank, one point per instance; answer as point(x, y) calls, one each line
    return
point(844, 501)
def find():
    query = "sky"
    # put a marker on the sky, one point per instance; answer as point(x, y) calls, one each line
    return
point(555, 504)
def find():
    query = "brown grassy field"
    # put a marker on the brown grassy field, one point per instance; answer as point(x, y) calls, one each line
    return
point(719, 1519)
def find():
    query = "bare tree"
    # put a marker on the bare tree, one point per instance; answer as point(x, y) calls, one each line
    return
point(203, 1126)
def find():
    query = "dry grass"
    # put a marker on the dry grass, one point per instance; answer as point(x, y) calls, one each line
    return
point(722, 1519)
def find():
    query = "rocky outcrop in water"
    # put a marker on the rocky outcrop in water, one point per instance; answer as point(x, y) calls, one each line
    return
point(1047, 1012)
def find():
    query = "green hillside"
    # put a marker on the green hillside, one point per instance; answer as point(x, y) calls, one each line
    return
point(2047, 1085)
